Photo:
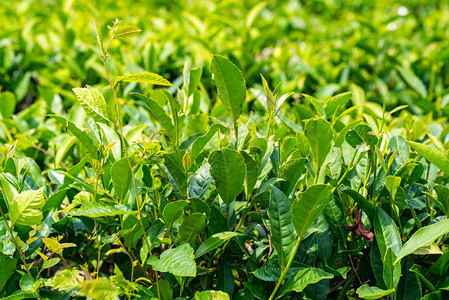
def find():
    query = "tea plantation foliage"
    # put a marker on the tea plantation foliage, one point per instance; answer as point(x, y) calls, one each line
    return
point(224, 149)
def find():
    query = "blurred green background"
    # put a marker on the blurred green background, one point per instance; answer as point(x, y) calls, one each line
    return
point(392, 52)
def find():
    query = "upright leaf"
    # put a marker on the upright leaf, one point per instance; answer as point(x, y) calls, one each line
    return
point(191, 226)
point(251, 173)
point(121, 177)
point(319, 135)
point(230, 84)
point(201, 141)
point(228, 169)
point(413, 81)
point(282, 239)
point(308, 206)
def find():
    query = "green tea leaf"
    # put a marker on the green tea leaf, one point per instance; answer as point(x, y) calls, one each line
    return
point(126, 31)
point(100, 209)
point(302, 279)
point(423, 237)
point(319, 135)
point(433, 155)
point(160, 115)
point(230, 84)
point(228, 169)
point(121, 175)
point(335, 102)
point(178, 261)
point(146, 77)
point(191, 226)
point(308, 206)
point(282, 239)
point(172, 211)
point(99, 288)
point(213, 242)
point(372, 292)
point(83, 137)
point(201, 141)
point(251, 173)
point(24, 209)
point(94, 104)
point(211, 295)
point(8, 266)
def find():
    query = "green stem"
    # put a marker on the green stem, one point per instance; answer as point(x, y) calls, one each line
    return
point(236, 131)
point(284, 272)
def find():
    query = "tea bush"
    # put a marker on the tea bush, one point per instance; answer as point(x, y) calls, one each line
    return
point(204, 180)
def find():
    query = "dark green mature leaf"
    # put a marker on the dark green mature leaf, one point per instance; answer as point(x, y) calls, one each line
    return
point(372, 292)
point(173, 163)
point(147, 77)
point(8, 266)
point(124, 32)
point(213, 242)
point(100, 209)
point(386, 233)
point(361, 134)
point(362, 202)
point(433, 155)
point(319, 134)
point(282, 239)
point(121, 175)
point(83, 137)
point(291, 171)
point(191, 226)
point(178, 261)
point(201, 141)
point(230, 84)
point(442, 197)
point(309, 205)
point(228, 169)
point(25, 208)
point(302, 279)
point(423, 237)
point(93, 102)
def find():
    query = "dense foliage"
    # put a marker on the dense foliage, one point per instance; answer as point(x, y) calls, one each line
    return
point(209, 180)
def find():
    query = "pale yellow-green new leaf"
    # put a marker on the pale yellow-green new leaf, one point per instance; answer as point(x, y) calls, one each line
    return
point(24, 209)
point(126, 31)
point(93, 102)
point(147, 77)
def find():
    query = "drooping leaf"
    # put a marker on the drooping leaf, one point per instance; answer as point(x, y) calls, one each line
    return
point(126, 31)
point(230, 85)
point(361, 134)
point(121, 175)
point(319, 135)
point(308, 206)
point(282, 239)
point(213, 242)
point(372, 292)
point(228, 169)
point(147, 77)
point(93, 102)
point(174, 165)
point(178, 261)
point(423, 237)
point(433, 155)
point(25, 208)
